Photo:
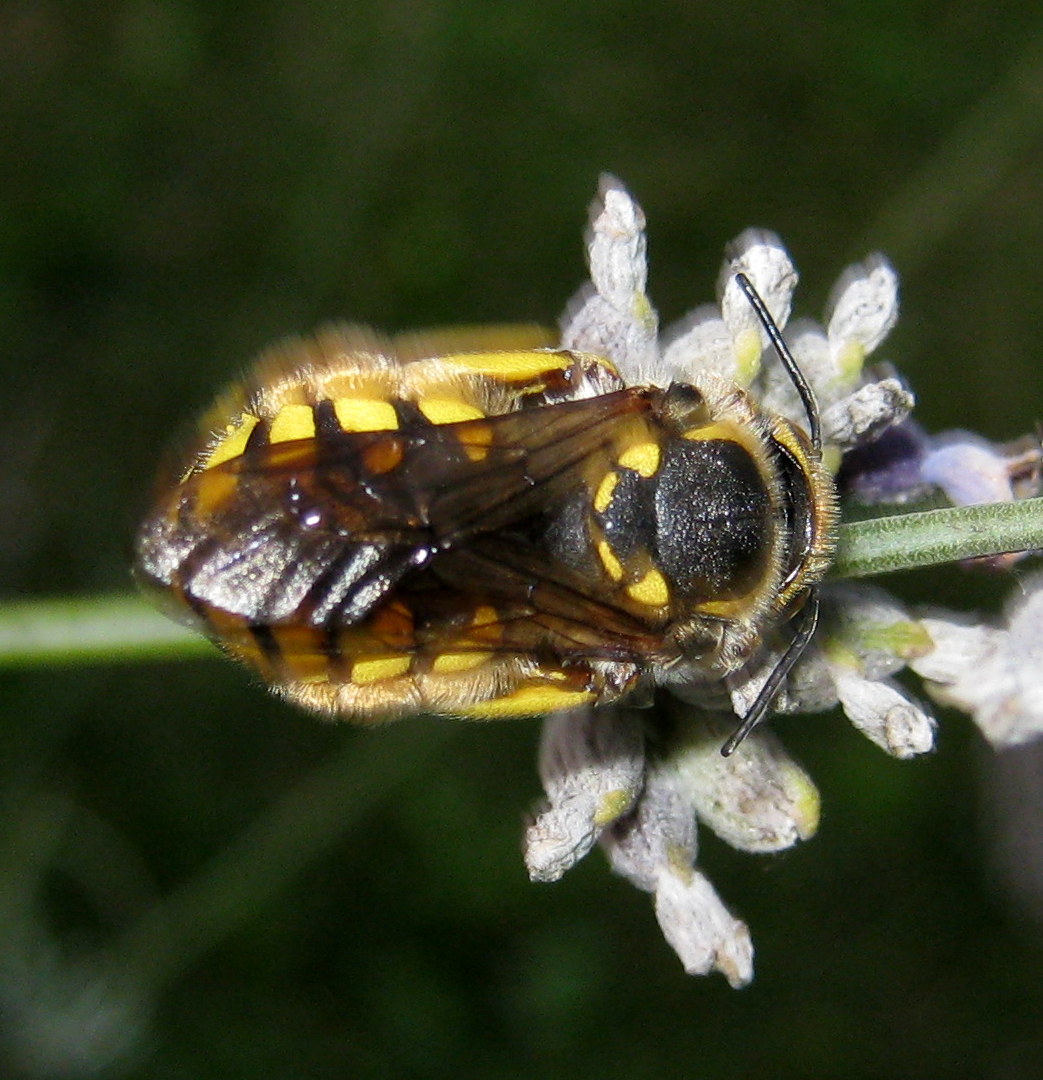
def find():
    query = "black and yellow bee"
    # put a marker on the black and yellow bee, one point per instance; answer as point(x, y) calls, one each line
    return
point(392, 527)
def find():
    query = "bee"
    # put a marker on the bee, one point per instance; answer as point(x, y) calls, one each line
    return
point(471, 527)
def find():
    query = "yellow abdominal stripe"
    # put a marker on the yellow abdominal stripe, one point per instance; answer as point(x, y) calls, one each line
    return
point(449, 410)
point(292, 422)
point(365, 414)
point(510, 366)
point(353, 414)
point(297, 421)
point(526, 701)
point(448, 663)
point(532, 700)
point(234, 441)
point(443, 410)
point(364, 672)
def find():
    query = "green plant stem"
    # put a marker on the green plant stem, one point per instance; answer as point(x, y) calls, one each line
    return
point(935, 537)
point(118, 629)
point(92, 629)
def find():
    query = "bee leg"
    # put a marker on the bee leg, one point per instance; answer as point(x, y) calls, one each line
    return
point(769, 691)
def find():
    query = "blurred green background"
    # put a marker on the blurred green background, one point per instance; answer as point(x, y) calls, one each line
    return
point(183, 181)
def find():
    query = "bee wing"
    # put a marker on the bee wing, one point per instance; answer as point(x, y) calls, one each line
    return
point(531, 607)
point(317, 532)
point(449, 481)
point(255, 565)
point(534, 459)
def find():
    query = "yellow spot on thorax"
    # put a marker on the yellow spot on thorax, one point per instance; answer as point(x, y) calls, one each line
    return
point(364, 672)
point(709, 432)
point(605, 491)
point(651, 589)
point(726, 609)
point(365, 414)
point(234, 440)
point(642, 457)
point(612, 565)
point(527, 701)
point(292, 422)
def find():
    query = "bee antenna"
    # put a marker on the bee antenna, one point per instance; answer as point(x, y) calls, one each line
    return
point(770, 690)
point(807, 395)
